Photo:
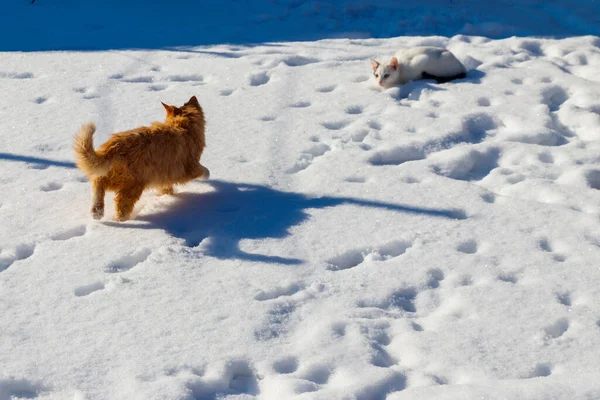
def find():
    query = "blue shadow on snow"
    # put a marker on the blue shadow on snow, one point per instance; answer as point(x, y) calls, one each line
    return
point(37, 160)
point(238, 211)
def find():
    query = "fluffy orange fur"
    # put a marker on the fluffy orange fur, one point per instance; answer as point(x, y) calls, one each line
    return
point(157, 156)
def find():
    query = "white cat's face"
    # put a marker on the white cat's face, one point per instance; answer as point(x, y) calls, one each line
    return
point(384, 75)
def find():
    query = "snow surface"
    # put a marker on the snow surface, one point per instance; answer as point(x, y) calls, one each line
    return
point(435, 241)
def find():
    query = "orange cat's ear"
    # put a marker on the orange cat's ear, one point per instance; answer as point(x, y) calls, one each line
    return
point(394, 63)
point(170, 109)
point(374, 64)
point(193, 101)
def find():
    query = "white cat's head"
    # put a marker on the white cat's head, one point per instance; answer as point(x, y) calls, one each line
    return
point(385, 76)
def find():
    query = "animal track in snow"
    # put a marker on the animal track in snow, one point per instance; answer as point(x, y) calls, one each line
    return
point(286, 365)
point(435, 276)
point(308, 157)
point(185, 78)
point(281, 291)
point(410, 179)
point(40, 100)
point(20, 252)
point(70, 233)
point(380, 357)
point(467, 247)
point(360, 79)
point(359, 135)
point(138, 79)
point(532, 47)
point(564, 298)
point(380, 389)
point(397, 155)
point(276, 322)
point(508, 277)
point(16, 75)
point(88, 92)
point(488, 197)
point(298, 61)
point(157, 87)
point(13, 389)
point(353, 110)
point(301, 104)
point(540, 370)
point(226, 92)
point(554, 97)
point(335, 125)
point(234, 378)
point(401, 299)
point(477, 164)
point(474, 130)
point(349, 259)
point(259, 79)
point(326, 89)
point(50, 187)
point(352, 258)
point(483, 102)
point(86, 290)
point(355, 179)
point(592, 178)
point(472, 166)
point(374, 125)
point(546, 158)
point(465, 280)
point(557, 329)
point(545, 246)
point(338, 329)
point(268, 118)
point(316, 373)
point(129, 261)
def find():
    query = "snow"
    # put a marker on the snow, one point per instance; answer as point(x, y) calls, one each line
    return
point(434, 241)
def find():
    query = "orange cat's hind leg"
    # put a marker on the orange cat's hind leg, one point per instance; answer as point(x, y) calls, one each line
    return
point(126, 199)
point(166, 190)
point(98, 191)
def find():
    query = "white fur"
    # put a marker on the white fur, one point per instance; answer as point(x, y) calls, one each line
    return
point(413, 62)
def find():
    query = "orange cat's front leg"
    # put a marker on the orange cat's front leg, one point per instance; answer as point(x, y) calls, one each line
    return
point(198, 171)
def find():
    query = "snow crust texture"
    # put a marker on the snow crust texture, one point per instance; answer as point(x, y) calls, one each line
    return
point(434, 241)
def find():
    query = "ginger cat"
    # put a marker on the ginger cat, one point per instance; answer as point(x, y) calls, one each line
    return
point(157, 156)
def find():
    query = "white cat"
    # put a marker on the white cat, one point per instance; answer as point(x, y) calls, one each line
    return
point(418, 63)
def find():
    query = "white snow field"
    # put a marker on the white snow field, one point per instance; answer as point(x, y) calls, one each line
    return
point(435, 241)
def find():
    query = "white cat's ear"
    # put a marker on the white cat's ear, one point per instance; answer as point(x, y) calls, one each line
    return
point(374, 64)
point(394, 63)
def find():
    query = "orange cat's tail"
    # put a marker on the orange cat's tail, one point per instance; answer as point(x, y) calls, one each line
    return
point(86, 157)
